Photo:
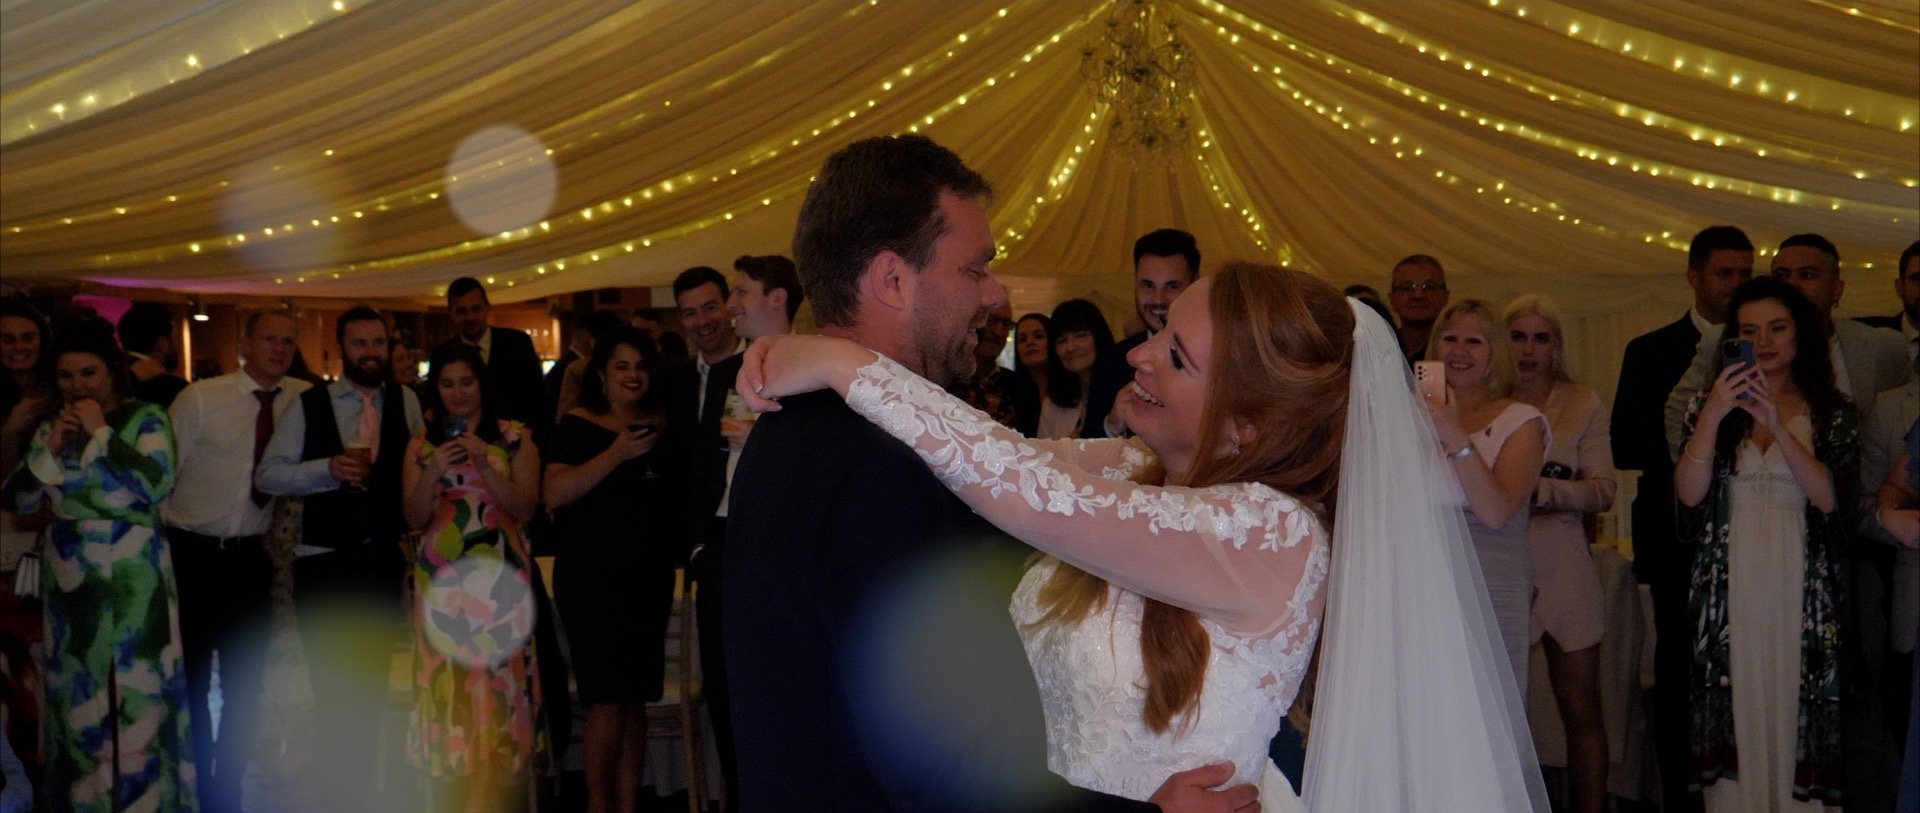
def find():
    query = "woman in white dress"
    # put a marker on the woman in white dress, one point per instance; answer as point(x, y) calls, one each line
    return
point(1496, 446)
point(1174, 621)
point(1767, 470)
point(1576, 483)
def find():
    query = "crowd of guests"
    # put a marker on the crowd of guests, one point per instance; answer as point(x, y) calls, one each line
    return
point(1774, 523)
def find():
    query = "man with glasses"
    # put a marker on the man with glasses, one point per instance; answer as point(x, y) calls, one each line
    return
point(1418, 295)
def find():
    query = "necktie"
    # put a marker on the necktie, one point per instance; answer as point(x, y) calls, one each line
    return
point(262, 432)
point(370, 425)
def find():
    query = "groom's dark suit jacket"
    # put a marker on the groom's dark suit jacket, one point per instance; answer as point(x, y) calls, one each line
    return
point(873, 662)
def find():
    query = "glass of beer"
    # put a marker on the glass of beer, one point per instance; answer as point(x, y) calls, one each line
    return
point(360, 449)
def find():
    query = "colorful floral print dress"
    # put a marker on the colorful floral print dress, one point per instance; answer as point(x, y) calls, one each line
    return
point(116, 691)
point(476, 684)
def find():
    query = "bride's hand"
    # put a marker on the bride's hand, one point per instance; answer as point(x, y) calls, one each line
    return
point(778, 366)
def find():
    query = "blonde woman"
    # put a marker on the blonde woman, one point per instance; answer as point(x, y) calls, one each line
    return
point(1496, 446)
point(1576, 482)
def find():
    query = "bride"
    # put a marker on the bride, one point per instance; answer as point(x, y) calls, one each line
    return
point(1283, 474)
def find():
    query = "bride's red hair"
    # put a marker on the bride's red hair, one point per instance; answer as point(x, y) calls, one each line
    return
point(1282, 353)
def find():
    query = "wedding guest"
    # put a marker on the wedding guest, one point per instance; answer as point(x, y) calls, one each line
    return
point(146, 331)
point(1497, 446)
point(1165, 262)
point(1646, 413)
point(1030, 343)
point(1575, 484)
point(341, 448)
point(1882, 441)
point(1371, 298)
point(471, 481)
point(617, 481)
point(512, 362)
point(1767, 471)
point(216, 524)
point(116, 718)
point(588, 331)
point(1079, 334)
point(1899, 513)
point(987, 389)
point(27, 397)
point(1417, 292)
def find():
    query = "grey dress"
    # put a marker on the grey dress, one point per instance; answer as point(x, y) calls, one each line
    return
point(1504, 560)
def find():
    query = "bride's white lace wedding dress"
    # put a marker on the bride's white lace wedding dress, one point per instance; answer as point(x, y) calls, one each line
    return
point(1249, 561)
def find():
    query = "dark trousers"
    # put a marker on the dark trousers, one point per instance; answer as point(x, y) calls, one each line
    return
point(226, 607)
point(707, 571)
point(348, 603)
point(1672, 685)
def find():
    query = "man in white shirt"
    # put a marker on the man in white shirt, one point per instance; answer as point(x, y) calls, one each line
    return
point(215, 523)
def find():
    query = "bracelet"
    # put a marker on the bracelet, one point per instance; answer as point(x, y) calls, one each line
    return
point(1462, 454)
point(1688, 454)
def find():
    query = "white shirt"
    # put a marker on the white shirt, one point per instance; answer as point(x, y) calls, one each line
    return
point(213, 421)
point(282, 471)
point(700, 364)
point(1841, 380)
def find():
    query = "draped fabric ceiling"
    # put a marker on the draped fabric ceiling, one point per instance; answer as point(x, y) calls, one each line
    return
point(301, 147)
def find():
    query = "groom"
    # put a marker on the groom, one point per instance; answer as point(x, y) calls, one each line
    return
point(874, 665)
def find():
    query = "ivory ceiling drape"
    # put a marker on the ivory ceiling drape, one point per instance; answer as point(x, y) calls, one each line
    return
point(301, 147)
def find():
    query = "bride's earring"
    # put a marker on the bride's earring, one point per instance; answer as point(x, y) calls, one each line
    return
point(1234, 449)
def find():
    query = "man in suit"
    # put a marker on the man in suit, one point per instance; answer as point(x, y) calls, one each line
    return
point(514, 386)
point(1417, 293)
point(1165, 262)
point(763, 299)
point(1906, 285)
point(341, 447)
point(1867, 362)
point(1718, 260)
point(874, 663)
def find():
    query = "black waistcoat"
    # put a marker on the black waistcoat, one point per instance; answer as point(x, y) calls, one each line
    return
point(344, 516)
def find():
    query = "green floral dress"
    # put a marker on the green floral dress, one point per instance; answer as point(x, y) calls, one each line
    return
point(476, 684)
point(116, 722)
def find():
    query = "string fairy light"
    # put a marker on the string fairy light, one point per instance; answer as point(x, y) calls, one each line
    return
point(1513, 128)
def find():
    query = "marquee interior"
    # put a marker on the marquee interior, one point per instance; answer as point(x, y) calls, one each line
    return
point(303, 148)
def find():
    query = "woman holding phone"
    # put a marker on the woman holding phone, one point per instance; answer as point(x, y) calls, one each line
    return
point(1767, 473)
point(1496, 446)
point(617, 484)
point(471, 482)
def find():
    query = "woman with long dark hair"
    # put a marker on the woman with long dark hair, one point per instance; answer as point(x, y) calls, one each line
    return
point(1079, 332)
point(116, 714)
point(617, 483)
point(1768, 473)
point(471, 482)
point(27, 397)
point(1029, 379)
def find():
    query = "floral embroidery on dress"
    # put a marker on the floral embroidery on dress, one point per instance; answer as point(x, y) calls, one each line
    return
point(1090, 673)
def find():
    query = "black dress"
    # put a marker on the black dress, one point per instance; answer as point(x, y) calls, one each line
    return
point(613, 575)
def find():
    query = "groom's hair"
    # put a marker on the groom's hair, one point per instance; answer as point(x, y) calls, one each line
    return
point(878, 194)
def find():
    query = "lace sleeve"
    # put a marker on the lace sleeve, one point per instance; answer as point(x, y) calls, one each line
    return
point(1108, 458)
point(1232, 553)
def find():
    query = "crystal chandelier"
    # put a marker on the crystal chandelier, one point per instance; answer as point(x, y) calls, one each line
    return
point(1142, 70)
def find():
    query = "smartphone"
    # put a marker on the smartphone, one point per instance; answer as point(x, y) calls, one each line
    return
point(1431, 378)
point(1738, 352)
point(455, 427)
